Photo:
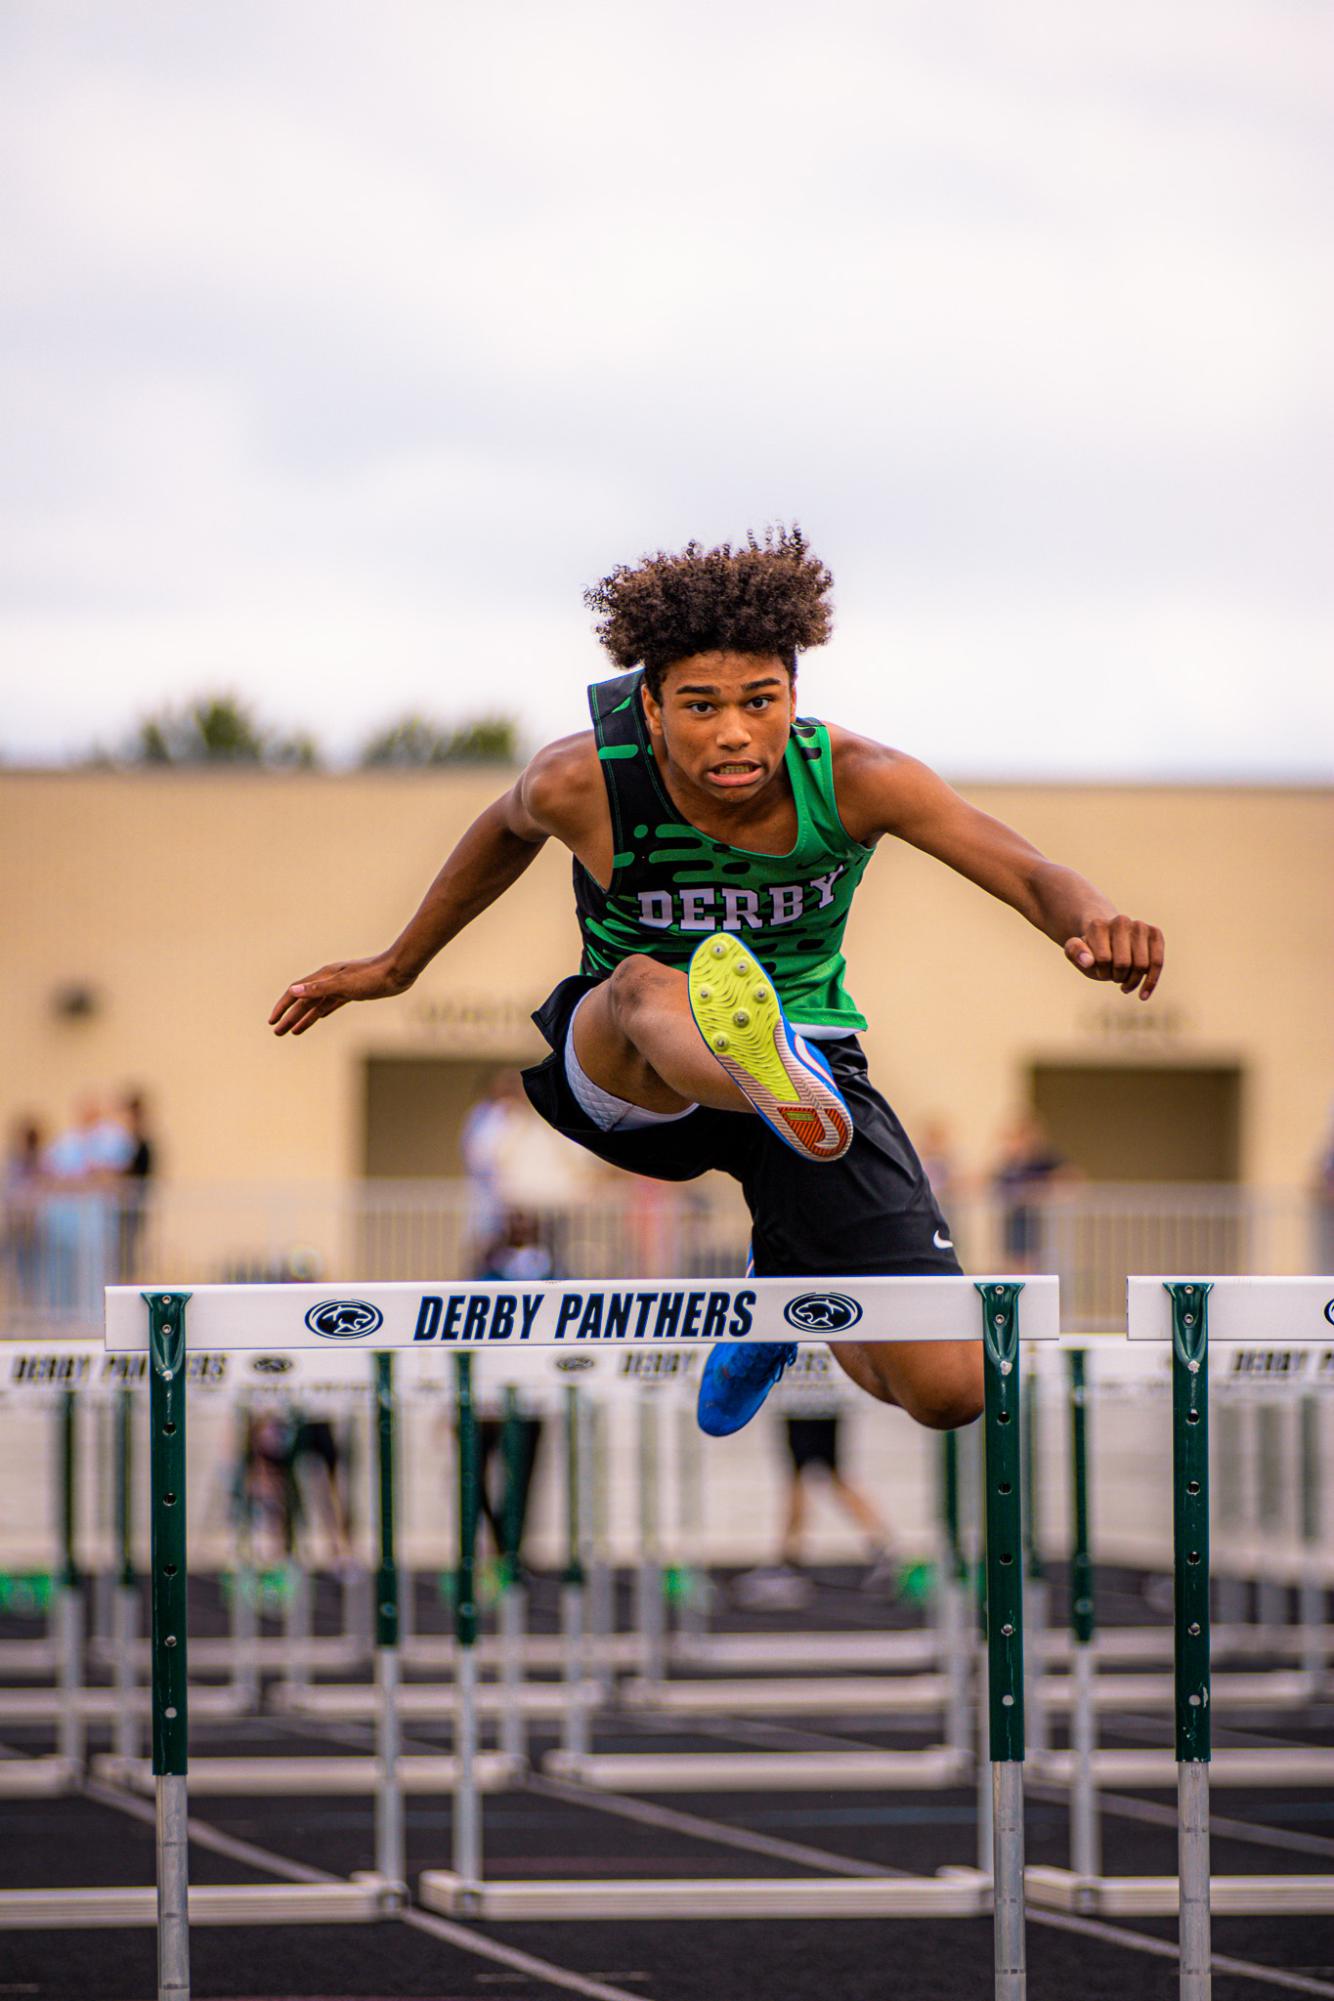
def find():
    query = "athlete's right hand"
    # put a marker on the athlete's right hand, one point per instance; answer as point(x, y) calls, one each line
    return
point(308, 1000)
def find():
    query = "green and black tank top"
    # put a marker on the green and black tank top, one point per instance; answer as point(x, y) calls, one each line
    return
point(672, 884)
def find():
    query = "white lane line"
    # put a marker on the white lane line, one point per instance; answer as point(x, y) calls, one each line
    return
point(299, 1872)
point(522, 1962)
point(650, 1814)
point(1131, 1941)
point(1162, 1948)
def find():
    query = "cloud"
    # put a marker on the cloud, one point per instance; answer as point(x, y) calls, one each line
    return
point(371, 339)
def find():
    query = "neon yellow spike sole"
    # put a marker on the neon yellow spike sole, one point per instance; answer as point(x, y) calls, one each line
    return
point(739, 1015)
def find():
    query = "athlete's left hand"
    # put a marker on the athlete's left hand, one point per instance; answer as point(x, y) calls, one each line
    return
point(1123, 949)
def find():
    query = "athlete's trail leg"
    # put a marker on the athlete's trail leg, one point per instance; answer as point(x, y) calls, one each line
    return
point(939, 1383)
point(636, 1037)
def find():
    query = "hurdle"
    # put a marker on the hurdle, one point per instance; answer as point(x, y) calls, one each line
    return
point(1085, 1765)
point(341, 1381)
point(1188, 1313)
point(399, 1317)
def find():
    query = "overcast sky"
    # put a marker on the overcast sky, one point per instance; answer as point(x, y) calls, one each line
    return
point(345, 344)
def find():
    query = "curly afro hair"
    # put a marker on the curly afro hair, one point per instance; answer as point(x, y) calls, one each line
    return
point(766, 597)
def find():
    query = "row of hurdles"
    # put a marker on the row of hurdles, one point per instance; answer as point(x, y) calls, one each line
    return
point(155, 1335)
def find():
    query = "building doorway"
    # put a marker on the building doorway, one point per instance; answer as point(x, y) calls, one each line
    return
point(413, 1108)
point(1143, 1122)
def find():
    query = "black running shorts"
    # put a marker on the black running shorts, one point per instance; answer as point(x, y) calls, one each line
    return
point(813, 1441)
point(870, 1213)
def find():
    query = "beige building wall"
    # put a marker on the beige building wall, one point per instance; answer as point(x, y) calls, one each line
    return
point(184, 902)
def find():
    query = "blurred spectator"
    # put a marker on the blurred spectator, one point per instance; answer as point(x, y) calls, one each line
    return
point(1323, 1193)
point(82, 1167)
point(317, 1470)
point(1028, 1172)
point(935, 1150)
point(519, 1252)
point(266, 1494)
point(22, 1231)
point(488, 1126)
point(520, 1255)
point(812, 1440)
point(136, 1175)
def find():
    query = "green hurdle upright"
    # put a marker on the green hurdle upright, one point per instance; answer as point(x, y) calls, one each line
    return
point(467, 1811)
point(1190, 1539)
point(166, 1450)
point(389, 1836)
point(1005, 1629)
point(69, 1592)
point(1085, 1841)
point(574, 1732)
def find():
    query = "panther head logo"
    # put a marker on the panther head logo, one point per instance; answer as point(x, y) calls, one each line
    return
point(822, 1312)
point(344, 1319)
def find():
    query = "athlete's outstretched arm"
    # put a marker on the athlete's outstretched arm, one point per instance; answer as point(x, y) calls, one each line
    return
point(882, 791)
point(497, 848)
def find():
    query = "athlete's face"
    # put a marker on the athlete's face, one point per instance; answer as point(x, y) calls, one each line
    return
point(724, 720)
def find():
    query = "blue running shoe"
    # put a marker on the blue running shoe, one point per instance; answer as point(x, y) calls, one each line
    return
point(737, 1380)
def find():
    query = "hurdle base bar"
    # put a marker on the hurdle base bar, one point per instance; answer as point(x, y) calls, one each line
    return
point(37, 1778)
point(775, 1695)
point(1151, 1769)
point(760, 1771)
point(540, 1652)
point(958, 1893)
point(323, 1653)
point(102, 1705)
point(420, 1701)
point(29, 1660)
point(360, 1900)
point(1159, 1896)
point(758, 1652)
point(223, 1778)
point(918, 1694)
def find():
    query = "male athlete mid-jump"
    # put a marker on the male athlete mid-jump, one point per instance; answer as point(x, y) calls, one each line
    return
point(718, 838)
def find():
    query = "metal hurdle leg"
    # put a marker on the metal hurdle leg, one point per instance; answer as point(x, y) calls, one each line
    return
point(956, 1629)
point(245, 1676)
point(166, 1409)
point(127, 1584)
point(601, 1578)
point(513, 1595)
point(1190, 1538)
point(574, 1732)
point(73, 1733)
point(1085, 1834)
point(1037, 1594)
point(467, 1806)
point(390, 1853)
point(1005, 1630)
point(1271, 1593)
point(1312, 1594)
point(649, 1586)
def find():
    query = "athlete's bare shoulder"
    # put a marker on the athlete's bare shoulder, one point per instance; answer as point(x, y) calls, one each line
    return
point(874, 784)
point(561, 794)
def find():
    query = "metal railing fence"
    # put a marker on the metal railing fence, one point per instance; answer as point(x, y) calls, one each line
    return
point(55, 1257)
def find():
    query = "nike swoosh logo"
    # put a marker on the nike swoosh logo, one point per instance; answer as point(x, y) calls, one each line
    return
point(942, 1243)
point(832, 1133)
point(819, 1130)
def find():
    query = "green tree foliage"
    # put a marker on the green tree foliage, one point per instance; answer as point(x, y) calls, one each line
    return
point(417, 741)
point(217, 729)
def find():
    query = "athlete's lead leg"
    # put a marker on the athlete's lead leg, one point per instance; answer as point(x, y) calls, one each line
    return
point(664, 1040)
point(636, 1037)
point(939, 1383)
